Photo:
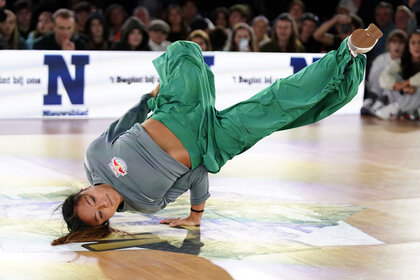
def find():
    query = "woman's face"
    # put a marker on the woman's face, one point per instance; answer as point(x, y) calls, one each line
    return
point(96, 28)
point(8, 25)
point(260, 28)
point(135, 37)
point(284, 29)
point(117, 17)
point(97, 204)
point(414, 46)
point(234, 18)
point(395, 47)
point(308, 28)
point(241, 34)
point(174, 16)
point(201, 42)
point(45, 23)
point(221, 20)
point(296, 12)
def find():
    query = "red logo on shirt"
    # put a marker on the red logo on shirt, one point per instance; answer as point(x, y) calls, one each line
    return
point(118, 166)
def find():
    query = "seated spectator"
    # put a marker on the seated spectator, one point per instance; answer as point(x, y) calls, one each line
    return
point(45, 24)
point(309, 23)
point(238, 13)
point(177, 23)
point(190, 11)
point(201, 38)
point(261, 27)
point(82, 10)
point(401, 78)
point(384, 14)
point(218, 38)
point(10, 33)
point(142, 13)
point(296, 10)
point(243, 39)
point(97, 32)
point(375, 96)
point(220, 17)
point(23, 12)
point(344, 24)
point(115, 16)
point(285, 36)
point(158, 33)
point(134, 36)
point(64, 36)
point(405, 19)
point(202, 24)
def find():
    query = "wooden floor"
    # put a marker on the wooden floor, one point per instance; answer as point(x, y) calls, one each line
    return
point(339, 199)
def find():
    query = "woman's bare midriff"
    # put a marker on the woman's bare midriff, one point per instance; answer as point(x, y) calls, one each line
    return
point(165, 139)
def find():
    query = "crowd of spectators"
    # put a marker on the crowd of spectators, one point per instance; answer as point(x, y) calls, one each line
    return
point(249, 26)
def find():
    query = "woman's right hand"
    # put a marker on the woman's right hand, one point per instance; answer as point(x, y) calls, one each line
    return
point(155, 91)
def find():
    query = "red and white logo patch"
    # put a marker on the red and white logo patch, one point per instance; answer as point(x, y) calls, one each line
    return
point(118, 166)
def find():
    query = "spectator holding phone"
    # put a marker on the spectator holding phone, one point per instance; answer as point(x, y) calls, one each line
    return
point(243, 39)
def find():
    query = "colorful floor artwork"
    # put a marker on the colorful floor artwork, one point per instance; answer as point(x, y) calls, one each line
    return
point(295, 193)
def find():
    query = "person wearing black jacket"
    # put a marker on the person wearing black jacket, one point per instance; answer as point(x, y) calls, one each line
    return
point(134, 36)
point(64, 36)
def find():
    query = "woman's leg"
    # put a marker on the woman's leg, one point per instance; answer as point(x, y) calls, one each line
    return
point(308, 96)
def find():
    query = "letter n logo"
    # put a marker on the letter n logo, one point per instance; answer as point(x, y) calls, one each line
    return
point(57, 68)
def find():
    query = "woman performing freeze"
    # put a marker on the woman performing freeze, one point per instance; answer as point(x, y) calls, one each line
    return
point(143, 165)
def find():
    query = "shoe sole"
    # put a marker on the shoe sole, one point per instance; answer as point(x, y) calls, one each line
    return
point(365, 39)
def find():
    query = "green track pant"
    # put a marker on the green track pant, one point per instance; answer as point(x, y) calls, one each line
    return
point(186, 99)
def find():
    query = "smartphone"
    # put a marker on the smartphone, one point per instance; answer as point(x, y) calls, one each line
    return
point(243, 45)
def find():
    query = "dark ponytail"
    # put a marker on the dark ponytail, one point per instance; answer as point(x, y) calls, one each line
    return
point(78, 230)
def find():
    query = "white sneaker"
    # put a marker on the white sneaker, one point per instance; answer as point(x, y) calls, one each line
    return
point(388, 112)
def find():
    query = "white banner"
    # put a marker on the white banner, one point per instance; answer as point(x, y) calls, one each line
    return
point(104, 84)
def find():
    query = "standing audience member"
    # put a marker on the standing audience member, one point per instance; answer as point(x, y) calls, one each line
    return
point(218, 38)
point(45, 24)
point(97, 32)
point(243, 39)
point(384, 14)
point(405, 19)
point(220, 17)
point(23, 12)
point(115, 16)
point(261, 27)
point(64, 36)
point(296, 10)
point(142, 14)
point(158, 33)
point(375, 98)
point(134, 36)
point(309, 23)
point(285, 36)
point(201, 38)
point(9, 31)
point(344, 24)
point(179, 28)
point(82, 10)
point(402, 80)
